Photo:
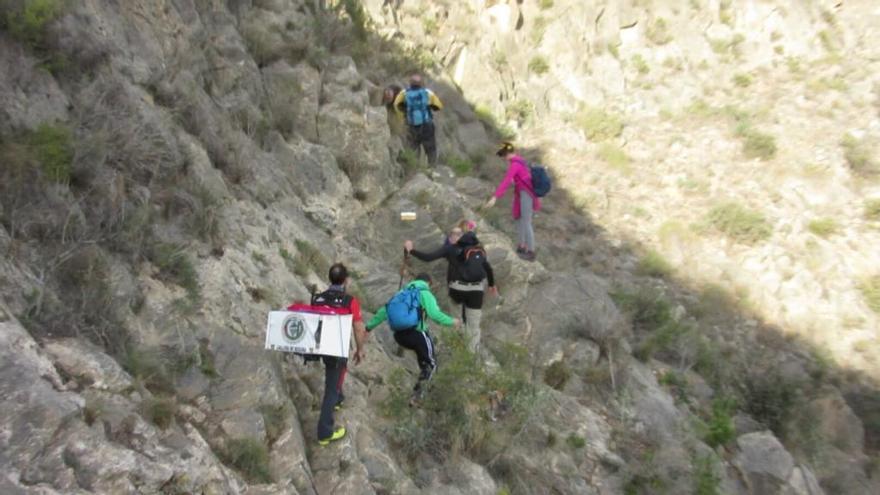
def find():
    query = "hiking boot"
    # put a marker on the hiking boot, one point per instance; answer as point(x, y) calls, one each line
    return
point(520, 250)
point(415, 399)
point(337, 435)
point(528, 255)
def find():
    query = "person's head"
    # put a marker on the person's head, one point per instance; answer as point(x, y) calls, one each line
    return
point(415, 80)
point(506, 149)
point(455, 234)
point(424, 277)
point(338, 274)
point(390, 93)
point(467, 225)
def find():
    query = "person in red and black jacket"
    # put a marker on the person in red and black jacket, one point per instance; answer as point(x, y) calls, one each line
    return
point(335, 368)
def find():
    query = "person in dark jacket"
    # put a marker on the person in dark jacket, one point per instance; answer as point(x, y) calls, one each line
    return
point(464, 288)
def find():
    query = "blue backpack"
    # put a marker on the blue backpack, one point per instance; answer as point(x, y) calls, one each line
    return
point(404, 310)
point(540, 180)
point(417, 110)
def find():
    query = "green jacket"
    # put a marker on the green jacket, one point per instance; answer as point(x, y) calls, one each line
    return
point(428, 303)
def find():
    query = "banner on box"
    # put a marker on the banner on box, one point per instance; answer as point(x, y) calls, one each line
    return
point(303, 332)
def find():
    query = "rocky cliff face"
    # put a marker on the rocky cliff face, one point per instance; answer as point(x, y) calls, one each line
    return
point(171, 171)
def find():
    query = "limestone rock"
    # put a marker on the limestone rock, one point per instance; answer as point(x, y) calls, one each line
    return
point(88, 363)
point(767, 467)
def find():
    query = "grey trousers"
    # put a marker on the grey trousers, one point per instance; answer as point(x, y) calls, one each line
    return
point(524, 223)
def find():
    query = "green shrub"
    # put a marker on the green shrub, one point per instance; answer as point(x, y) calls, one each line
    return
point(706, 481)
point(557, 374)
point(538, 64)
point(598, 124)
point(52, 145)
point(858, 155)
point(649, 310)
point(453, 417)
point(719, 429)
point(653, 264)
point(872, 209)
point(742, 80)
point(614, 156)
point(461, 166)
point(651, 314)
point(870, 288)
point(308, 257)
point(485, 115)
point(176, 266)
point(422, 198)
point(677, 383)
point(759, 145)
point(410, 160)
point(429, 25)
point(836, 83)
point(359, 18)
point(823, 227)
point(160, 411)
point(538, 29)
point(772, 399)
point(665, 338)
point(739, 223)
point(575, 441)
point(520, 110)
point(658, 32)
point(27, 20)
point(205, 218)
point(149, 368)
point(643, 474)
point(640, 64)
point(206, 360)
point(545, 4)
point(250, 457)
point(289, 259)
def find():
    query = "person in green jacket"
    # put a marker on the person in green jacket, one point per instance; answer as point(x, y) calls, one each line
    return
point(417, 338)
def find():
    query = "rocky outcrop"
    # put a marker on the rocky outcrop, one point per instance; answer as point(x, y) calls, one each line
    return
point(768, 468)
point(62, 441)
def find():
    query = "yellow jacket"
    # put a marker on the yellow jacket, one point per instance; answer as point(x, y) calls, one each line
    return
point(400, 102)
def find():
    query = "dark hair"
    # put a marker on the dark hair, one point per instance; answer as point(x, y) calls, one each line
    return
point(338, 274)
point(424, 277)
point(505, 149)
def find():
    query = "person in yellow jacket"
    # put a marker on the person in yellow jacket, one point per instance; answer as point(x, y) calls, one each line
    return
point(419, 104)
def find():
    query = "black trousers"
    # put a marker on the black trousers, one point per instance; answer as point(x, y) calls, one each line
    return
point(423, 135)
point(423, 345)
point(334, 374)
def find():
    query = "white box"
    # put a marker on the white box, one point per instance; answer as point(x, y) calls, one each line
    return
point(297, 331)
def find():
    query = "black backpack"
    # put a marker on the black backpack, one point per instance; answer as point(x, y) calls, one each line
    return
point(473, 261)
point(334, 299)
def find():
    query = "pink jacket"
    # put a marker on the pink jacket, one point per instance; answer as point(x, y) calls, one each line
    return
point(520, 175)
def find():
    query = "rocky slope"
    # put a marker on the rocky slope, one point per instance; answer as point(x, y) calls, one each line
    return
point(172, 170)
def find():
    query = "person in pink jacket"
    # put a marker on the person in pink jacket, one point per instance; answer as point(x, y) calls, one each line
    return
point(525, 202)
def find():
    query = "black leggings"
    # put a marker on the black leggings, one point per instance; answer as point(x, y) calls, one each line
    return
point(423, 345)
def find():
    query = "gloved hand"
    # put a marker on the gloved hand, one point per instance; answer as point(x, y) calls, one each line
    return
point(491, 202)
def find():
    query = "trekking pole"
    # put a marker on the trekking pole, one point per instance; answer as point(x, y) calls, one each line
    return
point(403, 267)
